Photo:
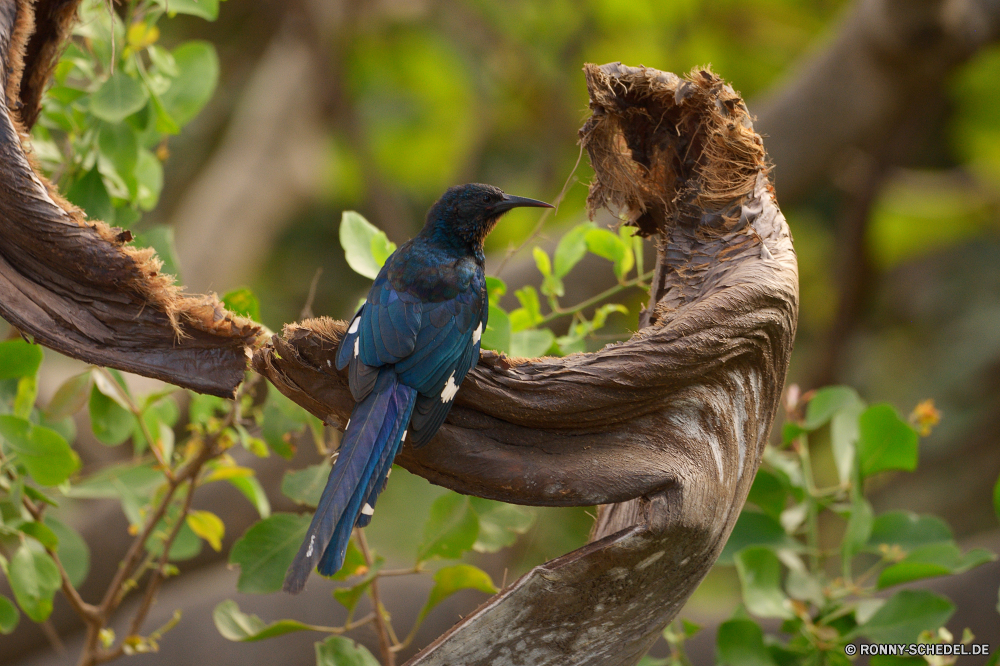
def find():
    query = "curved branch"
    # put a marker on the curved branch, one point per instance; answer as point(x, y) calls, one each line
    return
point(666, 429)
point(73, 284)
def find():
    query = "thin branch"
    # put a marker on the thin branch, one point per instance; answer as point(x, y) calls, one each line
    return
point(381, 629)
point(137, 413)
point(607, 293)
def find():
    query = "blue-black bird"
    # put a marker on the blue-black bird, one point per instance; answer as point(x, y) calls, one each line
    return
point(407, 350)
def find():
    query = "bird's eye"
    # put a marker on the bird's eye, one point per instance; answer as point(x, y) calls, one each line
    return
point(486, 198)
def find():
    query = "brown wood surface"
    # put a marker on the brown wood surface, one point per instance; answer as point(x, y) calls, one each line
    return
point(665, 430)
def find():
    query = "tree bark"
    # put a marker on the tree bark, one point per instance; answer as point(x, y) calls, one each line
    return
point(666, 430)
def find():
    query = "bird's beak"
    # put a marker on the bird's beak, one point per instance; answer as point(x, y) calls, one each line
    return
point(509, 201)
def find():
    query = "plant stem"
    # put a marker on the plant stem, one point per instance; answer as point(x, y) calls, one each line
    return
point(594, 300)
point(812, 521)
point(381, 629)
point(137, 413)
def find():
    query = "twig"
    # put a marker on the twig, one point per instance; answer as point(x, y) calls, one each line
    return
point(401, 572)
point(607, 293)
point(381, 630)
point(307, 311)
point(137, 413)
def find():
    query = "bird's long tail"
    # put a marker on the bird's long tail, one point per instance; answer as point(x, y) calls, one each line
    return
point(371, 442)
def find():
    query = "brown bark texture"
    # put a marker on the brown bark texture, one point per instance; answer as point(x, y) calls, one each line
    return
point(74, 284)
point(666, 430)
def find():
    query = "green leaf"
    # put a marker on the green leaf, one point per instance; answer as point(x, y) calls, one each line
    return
point(266, 551)
point(908, 530)
point(193, 87)
point(208, 526)
point(499, 524)
point(90, 194)
point(203, 407)
point(242, 301)
point(449, 580)
point(938, 559)
point(528, 298)
point(885, 441)
point(904, 616)
point(996, 501)
point(382, 248)
point(542, 261)
point(19, 358)
point(70, 397)
point(119, 145)
point(118, 97)
point(572, 248)
point(828, 401)
point(163, 61)
point(305, 486)
point(497, 334)
point(149, 184)
point(768, 493)
point(755, 529)
point(236, 625)
point(741, 643)
point(185, 546)
point(137, 480)
point(41, 533)
point(450, 530)
point(859, 527)
point(760, 579)
point(348, 597)
point(253, 491)
point(24, 399)
point(340, 651)
point(605, 244)
point(531, 343)
point(43, 452)
point(354, 563)
point(495, 287)
point(34, 579)
point(206, 9)
point(73, 551)
point(357, 237)
point(9, 616)
point(110, 423)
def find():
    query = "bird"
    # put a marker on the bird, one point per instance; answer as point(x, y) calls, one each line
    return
point(407, 350)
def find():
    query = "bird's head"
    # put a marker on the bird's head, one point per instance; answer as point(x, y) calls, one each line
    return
point(468, 213)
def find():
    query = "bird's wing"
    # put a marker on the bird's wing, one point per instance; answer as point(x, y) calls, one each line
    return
point(447, 348)
point(383, 332)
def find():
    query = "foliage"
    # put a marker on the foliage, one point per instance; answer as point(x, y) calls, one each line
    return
point(784, 568)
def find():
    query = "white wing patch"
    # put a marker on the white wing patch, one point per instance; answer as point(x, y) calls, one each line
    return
point(354, 325)
point(367, 509)
point(404, 436)
point(312, 541)
point(478, 333)
point(357, 347)
point(450, 389)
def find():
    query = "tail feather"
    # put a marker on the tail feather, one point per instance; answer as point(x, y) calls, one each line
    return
point(380, 479)
point(368, 436)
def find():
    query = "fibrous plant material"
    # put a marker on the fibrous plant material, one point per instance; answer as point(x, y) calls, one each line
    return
point(74, 284)
point(665, 430)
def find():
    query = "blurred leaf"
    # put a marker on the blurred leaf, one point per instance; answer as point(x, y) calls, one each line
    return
point(572, 248)
point(24, 399)
point(449, 580)
point(495, 287)
point(253, 491)
point(90, 194)
point(191, 89)
point(768, 493)
point(236, 625)
point(841, 407)
point(73, 551)
point(43, 452)
point(149, 184)
point(70, 397)
point(499, 524)
point(139, 480)
point(859, 527)
point(528, 298)
point(826, 402)
point(340, 651)
point(382, 248)
point(208, 526)
point(904, 616)
point(305, 486)
point(206, 9)
point(9, 616)
point(450, 530)
point(119, 145)
point(760, 580)
point(755, 529)
point(186, 545)
point(741, 643)
point(34, 579)
point(110, 423)
point(266, 551)
point(354, 563)
point(937, 559)
point(118, 97)
point(908, 530)
point(885, 441)
point(243, 302)
point(41, 533)
point(19, 358)
point(497, 333)
point(357, 237)
point(605, 244)
point(542, 261)
point(348, 597)
point(203, 407)
point(163, 61)
point(531, 343)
